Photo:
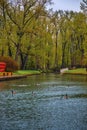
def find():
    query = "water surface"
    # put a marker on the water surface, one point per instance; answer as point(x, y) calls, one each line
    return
point(39, 103)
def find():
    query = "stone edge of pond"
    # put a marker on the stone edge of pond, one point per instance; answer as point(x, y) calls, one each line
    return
point(6, 78)
point(13, 77)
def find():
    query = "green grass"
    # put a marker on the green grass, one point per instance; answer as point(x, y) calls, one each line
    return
point(30, 72)
point(76, 71)
point(26, 72)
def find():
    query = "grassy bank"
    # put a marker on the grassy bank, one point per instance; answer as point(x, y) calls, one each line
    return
point(76, 71)
point(26, 72)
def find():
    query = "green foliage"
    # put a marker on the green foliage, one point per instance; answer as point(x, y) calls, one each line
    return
point(39, 39)
point(11, 65)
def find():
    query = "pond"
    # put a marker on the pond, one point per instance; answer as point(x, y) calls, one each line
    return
point(39, 102)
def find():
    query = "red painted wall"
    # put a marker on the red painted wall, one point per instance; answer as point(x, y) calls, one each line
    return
point(2, 66)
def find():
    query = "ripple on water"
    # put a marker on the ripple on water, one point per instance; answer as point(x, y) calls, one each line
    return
point(44, 106)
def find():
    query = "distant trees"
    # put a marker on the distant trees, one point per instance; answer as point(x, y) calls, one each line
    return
point(84, 9)
point(42, 39)
point(72, 34)
point(83, 6)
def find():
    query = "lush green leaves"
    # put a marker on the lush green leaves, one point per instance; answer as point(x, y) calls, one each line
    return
point(40, 39)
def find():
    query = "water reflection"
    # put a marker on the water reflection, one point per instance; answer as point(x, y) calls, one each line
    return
point(40, 104)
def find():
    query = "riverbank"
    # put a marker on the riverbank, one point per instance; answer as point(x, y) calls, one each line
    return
point(6, 78)
point(19, 74)
point(25, 73)
point(81, 71)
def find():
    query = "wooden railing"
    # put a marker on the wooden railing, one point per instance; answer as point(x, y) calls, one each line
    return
point(5, 73)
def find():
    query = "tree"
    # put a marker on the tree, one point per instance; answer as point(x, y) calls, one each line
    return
point(21, 14)
point(78, 37)
point(83, 6)
point(3, 24)
point(55, 21)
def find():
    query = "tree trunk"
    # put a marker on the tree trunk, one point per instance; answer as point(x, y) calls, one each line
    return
point(23, 61)
point(56, 51)
point(63, 54)
point(9, 50)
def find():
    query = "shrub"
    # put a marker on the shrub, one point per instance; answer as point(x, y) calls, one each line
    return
point(11, 65)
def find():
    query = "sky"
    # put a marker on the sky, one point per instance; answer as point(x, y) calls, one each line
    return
point(73, 5)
